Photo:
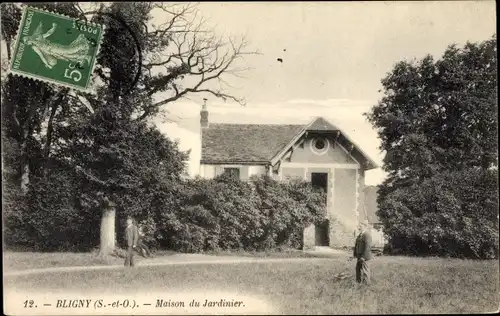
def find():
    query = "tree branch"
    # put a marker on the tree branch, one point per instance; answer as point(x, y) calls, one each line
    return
point(192, 56)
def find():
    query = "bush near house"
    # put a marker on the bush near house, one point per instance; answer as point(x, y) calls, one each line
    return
point(191, 216)
point(228, 214)
point(451, 214)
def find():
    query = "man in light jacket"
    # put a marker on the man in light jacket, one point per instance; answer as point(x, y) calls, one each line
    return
point(362, 252)
point(132, 237)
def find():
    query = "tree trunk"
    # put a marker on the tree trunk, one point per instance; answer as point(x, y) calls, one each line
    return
point(50, 128)
point(108, 238)
point(25, 168)
point(25, 161)
point(25, 178)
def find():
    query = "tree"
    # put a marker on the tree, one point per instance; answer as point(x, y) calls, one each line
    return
point(436, 117)
point(26, 105)
point(120, 163)
point(137, 62)
point(179, 57)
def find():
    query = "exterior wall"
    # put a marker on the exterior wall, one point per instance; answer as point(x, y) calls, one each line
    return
point(256, 170)
point(246, 171)
point(288, 173)
point(344, 219)
point(360, 195)
point(344, 199)
point(378, 238)
point(334, 154)
point(207, 171)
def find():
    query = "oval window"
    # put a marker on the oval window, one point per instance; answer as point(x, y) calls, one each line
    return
point(319, 145)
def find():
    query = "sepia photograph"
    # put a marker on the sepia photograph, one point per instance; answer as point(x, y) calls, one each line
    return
point(249, 158)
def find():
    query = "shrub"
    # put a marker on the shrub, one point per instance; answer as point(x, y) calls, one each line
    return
point(227, 214)
point(189, 216)
point(451, 214)
point(48, 217)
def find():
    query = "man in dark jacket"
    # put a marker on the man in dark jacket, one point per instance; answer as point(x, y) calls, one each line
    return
point(132, 237)
point(362, 252)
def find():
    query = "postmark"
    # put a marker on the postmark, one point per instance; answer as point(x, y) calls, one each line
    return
point(57, 49)
point(126, 28)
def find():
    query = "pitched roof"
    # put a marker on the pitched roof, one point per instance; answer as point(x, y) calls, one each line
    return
point(223, 143)
point(264, 143)
point(320, 124)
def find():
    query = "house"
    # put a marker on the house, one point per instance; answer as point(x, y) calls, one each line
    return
point(318, 152)
point(370, 214)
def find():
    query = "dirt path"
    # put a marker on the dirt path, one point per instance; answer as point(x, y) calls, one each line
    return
point(184, 259)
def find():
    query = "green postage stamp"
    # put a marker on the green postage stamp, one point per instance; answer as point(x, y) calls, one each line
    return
point(57, 49)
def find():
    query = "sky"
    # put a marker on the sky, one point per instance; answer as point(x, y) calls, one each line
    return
point(336, 54)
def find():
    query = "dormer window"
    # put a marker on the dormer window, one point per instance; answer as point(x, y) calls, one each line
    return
point(319, 145)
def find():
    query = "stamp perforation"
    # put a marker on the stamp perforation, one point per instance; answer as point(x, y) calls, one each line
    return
point(61, 15)
point(89, 86)
point(17, 37)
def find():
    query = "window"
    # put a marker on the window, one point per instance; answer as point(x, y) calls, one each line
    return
point(234, 172)
point(319, 145)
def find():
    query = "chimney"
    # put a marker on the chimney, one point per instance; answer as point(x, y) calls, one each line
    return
point(204, 115)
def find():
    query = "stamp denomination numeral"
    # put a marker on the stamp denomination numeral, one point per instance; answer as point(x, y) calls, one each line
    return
point(72, 73)
point(56, 40)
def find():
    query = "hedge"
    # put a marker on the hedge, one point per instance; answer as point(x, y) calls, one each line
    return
point(227, 214)
point(192, 216)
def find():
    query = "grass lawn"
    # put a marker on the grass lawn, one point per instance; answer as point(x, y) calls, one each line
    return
point(401, 284)
point(35, 260)
point(14, 261)
point(288, 253)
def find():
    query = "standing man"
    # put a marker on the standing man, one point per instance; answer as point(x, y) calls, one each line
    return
point(362, 252)
point(132, 237)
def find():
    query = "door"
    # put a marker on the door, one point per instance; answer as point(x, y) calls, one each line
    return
point(320, 180)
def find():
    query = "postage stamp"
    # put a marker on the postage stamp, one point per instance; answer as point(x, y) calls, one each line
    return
point(57, 49)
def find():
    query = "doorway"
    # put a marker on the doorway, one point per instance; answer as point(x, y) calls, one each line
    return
point(321, 231)
point(320, 180)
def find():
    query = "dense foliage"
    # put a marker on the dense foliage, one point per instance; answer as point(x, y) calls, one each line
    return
point(438, 123)
point(198, 215)
point(62, 162)
point(452, 214)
